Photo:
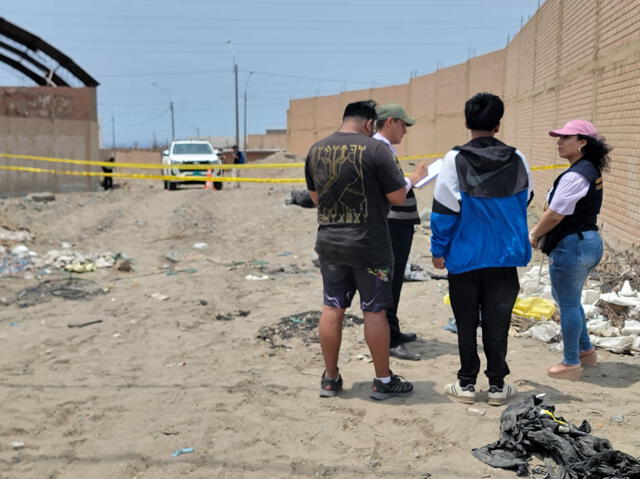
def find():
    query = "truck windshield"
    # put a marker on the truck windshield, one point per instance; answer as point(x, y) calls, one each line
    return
point(192, 149)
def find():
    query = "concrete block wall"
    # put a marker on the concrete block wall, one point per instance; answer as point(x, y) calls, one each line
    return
point(573, 59)
point(53, 122)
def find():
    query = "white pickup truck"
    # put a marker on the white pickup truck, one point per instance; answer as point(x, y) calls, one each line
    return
point(190, 152)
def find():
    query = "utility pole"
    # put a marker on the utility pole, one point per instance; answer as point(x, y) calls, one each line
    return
point(173, 124)
point(235, 74)
point(246, 87)
point(113, 131)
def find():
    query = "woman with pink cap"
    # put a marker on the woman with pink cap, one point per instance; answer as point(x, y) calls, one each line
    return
point(568, 233)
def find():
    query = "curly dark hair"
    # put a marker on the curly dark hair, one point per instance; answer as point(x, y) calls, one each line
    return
point(596, 151)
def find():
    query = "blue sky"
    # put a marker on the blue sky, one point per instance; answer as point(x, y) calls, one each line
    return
point(295, 49)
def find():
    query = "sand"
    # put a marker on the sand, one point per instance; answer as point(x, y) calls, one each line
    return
point(114, 399)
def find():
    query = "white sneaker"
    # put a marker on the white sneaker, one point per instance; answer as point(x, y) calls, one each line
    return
point(466, 395)
point(497, 397)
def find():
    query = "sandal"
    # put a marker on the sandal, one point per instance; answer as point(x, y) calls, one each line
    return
point(589, 358)
point(565, 371)
point(330, 387)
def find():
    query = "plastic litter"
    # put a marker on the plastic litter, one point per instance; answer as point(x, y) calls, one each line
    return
point(616, 344)
point(451, 326)
point(414, 272)
point(602, 327)
point(252, 277)
point(545, 331)
point(159, 296)
point(590, 297)
point(200, 245)
point(627, 290)
point(182, 450)
point(534, 307)
point(179, 271)
point(631, 327)
point(614, 298)
point(475, 411)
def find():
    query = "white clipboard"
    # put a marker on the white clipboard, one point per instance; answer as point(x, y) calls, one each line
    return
point(432, 173)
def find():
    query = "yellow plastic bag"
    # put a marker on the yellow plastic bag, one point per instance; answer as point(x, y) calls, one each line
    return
point(529, 307)
point(534, 307)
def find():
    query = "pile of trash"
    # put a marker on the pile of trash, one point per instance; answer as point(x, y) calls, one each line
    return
point(20, 259)
point(612, 309)
point(301, 325)
point(13, 262)
point(74, 261)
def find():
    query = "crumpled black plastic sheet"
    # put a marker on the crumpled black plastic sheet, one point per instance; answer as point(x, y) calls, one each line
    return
point(530, 426)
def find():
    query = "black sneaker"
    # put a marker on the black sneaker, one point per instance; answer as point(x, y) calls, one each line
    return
point(330, 387)
point(396, 387)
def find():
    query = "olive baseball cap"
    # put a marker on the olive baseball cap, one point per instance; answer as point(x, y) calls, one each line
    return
point(395, 111)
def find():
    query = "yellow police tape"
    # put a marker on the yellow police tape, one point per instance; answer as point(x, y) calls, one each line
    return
point(226, 166)
point(153, 177)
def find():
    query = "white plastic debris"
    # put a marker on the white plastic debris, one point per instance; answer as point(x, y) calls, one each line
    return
point(602, 328)
point(590, 297)
point(159, 296)
point(543, 331)
point(20, 251)
point(631, 328)
point(614, 298)
point(591, 311)
point(200, 245)
point(616, 344)
point(627, 291)
point(252, 277)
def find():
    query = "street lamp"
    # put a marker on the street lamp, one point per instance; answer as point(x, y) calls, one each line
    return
point(246, 86)
point(173, 125)
point(235, 73)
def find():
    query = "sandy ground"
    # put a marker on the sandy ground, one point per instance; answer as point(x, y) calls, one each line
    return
point(115, 399)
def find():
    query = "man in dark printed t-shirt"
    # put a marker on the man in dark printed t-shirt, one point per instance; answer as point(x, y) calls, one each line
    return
point(353, 179)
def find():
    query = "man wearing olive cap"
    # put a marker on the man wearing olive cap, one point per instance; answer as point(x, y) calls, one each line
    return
point(392, 125)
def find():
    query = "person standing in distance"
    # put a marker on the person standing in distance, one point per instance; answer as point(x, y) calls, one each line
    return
point(353, 178)
point(479, 233)
point(238, 159)
point(392, 125)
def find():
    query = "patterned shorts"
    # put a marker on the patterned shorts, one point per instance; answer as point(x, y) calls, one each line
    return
point(342, 281)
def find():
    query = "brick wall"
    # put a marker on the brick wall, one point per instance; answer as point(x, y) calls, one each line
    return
point(573, 59)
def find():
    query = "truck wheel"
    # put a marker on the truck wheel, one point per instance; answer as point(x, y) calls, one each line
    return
point(217, 185)
point(172, 186)
point(164, 184)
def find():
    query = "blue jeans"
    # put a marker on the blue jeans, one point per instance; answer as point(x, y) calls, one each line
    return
point(571, 262)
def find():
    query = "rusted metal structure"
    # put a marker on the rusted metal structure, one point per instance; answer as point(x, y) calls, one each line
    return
point(29, 54)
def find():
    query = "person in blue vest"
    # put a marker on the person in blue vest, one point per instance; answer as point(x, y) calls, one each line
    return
point(568, 233)
point(479, 233)
point(238, 159)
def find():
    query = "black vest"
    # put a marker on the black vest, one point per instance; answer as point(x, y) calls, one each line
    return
point(585, 215)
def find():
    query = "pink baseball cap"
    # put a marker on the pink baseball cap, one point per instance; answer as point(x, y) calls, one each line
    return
point(576, 127)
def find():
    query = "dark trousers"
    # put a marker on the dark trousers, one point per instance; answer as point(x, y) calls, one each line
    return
point(490, 293)
point(108, 183)
point(401, 240)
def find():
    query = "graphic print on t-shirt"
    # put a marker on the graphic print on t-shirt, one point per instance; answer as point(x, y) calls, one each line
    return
point(338, 174)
